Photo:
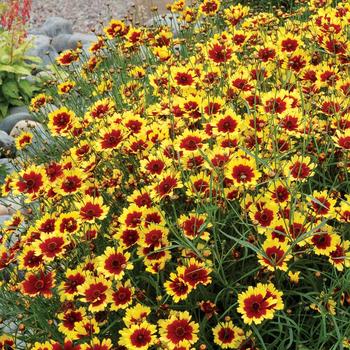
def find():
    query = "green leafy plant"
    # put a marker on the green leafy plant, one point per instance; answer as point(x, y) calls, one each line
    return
point(15, 65)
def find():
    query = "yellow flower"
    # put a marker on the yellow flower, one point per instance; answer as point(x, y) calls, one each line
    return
point(114, 262)
point(227, 335)
point(138, 336)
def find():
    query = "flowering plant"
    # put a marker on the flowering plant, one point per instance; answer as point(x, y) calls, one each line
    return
point(194, 193)
point(15, 64)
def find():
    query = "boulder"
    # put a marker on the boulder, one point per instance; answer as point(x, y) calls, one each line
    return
point(66, 41)
point(45, 52)
point(4, 218)
point(12, 205)
point(19, 109)
point(7, 163)
point(54, 26)
point(7, 145)
point(4, 210)
point(11, 120)
point(24, 125)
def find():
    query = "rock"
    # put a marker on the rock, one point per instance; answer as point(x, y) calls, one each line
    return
point(66, 41)
point(38, 40)
point(24, 125)
point(12, 205)
point(61, 42)
point(4, 210)
point(54, 26)
point(7, 163)
point(11, 120)
point(45, 52)
point(4, 218)
point(20, 109)
point(7, 145)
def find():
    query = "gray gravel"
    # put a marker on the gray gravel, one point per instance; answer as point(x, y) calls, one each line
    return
point(90, 14)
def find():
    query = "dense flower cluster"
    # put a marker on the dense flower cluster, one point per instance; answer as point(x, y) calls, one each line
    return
point(197, 193)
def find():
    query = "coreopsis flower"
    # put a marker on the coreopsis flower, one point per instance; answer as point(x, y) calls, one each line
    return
point(38, 283)
point(96, 344)
point(235, 13)
point(114, 262)
point(259, 303)
point(42, 346)
point(324, 240)
point(69, 320)
point(68, 223)
point(31, 182)
point(324, 303)
point(29, 259)
point(92, 209)
point(50, 245)
point(168, 182)
point(299, 168)
point(275, 255)
point(294, 277)
point(66, 345)
point(227, 335)
point(138, 336)
point(220, 53)
point(227, 122)
point(342, 139)
point(243, 172)
point(184, 77)
point(264, 214)
point(87, 328)
point(68, 288)
point(109, 139)
point(132, 216)
point(343, 210)
point(96, 292)
point(65, 87)
point(23, 139)
point(177, 288)
point(279, 191)
point(122, 296)
point(115, 28)
point(194, 225)
point(195, 272)
point(39, 101)
point(7, 342)
point(67, 57)
point(61, 121)
point(340, 256)
point(136, 314)
point(178, 330)
point(322, 204)
point(209, 7)
point(100, 110)
point(71, 182)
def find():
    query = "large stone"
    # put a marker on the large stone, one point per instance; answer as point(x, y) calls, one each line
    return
point(39, 39)
point(66, 41)
point(11, 120)
point(24, 125)
point(7, 163)
point(7, 145)
point(45, 52)
point(12, 205)
point(4, 218)
point(4, 210)
point(19, 109)
point(54, 26)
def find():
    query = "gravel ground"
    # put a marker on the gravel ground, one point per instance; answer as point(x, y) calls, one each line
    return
point(88, 14)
